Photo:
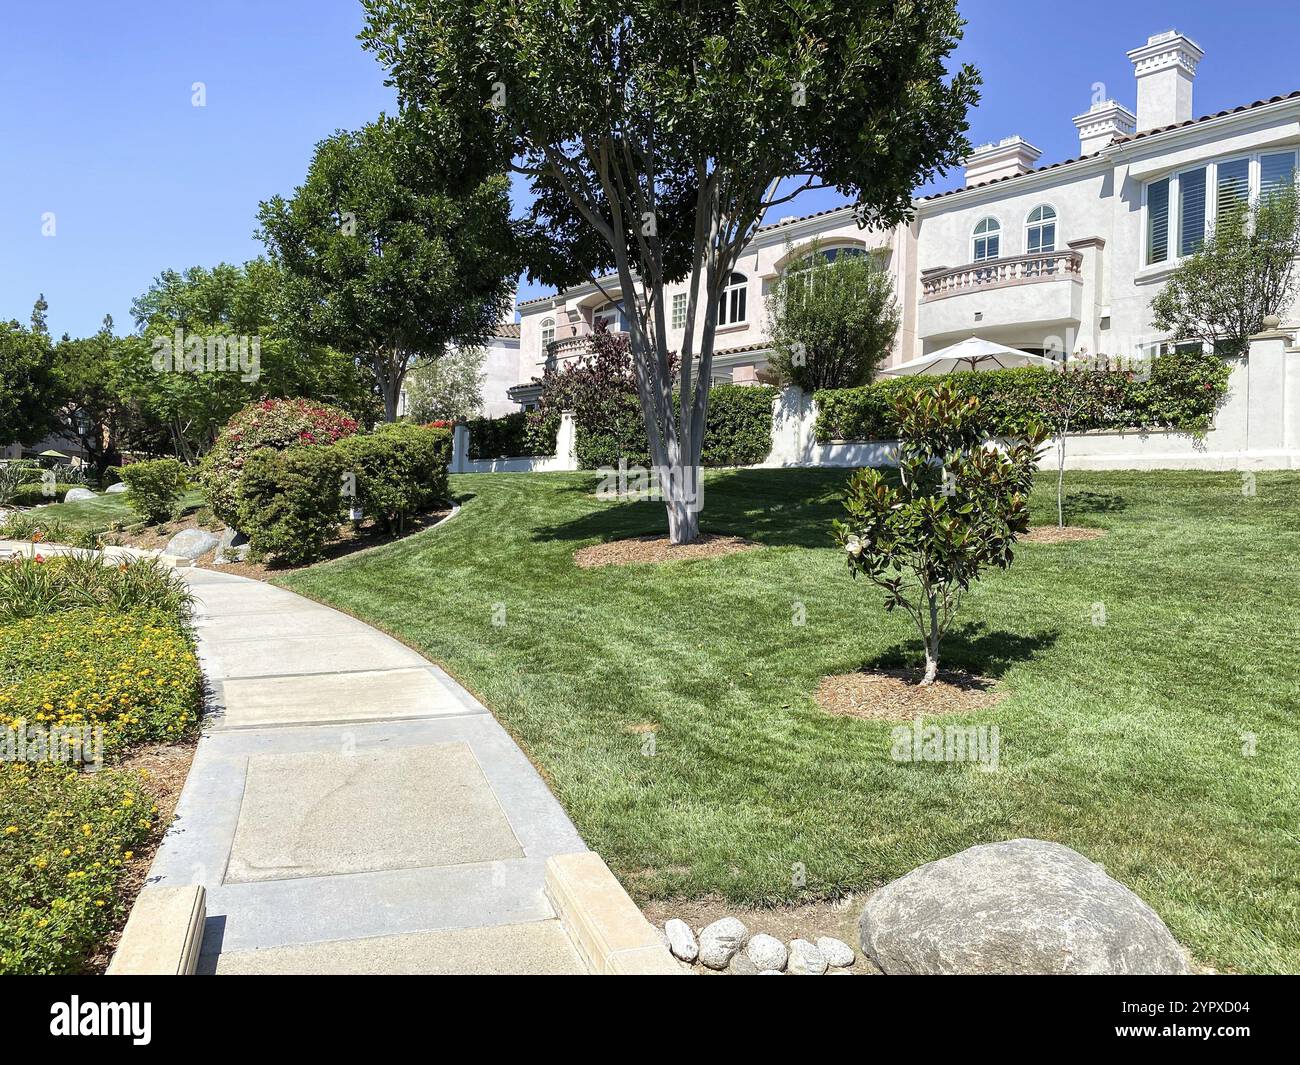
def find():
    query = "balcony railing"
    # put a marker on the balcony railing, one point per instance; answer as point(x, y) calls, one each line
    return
point(1002, 273)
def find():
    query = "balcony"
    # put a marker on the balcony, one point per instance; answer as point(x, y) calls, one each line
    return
point(1002, 273)
point(1031, 296)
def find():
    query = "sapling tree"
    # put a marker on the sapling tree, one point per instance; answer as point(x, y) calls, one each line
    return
point(656, 135)
point(957, 509)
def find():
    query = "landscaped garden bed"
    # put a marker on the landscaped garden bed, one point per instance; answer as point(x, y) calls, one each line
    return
point(1147, 683)
point(96, 663)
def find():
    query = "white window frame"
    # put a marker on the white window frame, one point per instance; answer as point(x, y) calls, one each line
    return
point(611, 310)
point(1054, 221)
point(679, 310)
point(1211, 167)
point(724, 300)
point(547, 332)
point(976, 236)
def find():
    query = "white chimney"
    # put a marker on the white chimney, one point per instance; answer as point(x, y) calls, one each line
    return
point(1165, 67)
point(1008, 158)
point(1101, 124)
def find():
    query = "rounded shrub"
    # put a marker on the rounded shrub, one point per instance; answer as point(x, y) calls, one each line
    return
point(156, 487)
point(276, 424)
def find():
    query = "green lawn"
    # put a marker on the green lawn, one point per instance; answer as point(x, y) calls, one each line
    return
point(96, 515)
point(1124, 741)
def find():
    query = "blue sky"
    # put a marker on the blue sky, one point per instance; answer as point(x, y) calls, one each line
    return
point(98, 127)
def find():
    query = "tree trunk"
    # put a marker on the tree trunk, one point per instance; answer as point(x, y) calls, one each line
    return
point(932, 644)
point(1060, 483)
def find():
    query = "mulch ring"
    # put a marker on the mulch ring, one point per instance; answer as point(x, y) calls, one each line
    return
point(895, 695)
point(1052, 534)
point(651, 549)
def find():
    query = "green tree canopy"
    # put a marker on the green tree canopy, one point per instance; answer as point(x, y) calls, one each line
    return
point(833, 322)
point(1244, 272)
point(30, 391)
point(656, 135)
point(386, 258)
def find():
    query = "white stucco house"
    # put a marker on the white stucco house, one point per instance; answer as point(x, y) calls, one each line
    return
point(1057, 257)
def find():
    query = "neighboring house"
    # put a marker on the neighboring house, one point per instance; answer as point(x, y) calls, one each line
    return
point(500, 372)
point(1063, 257)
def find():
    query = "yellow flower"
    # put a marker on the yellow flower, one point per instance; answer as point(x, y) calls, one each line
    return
point(10, 830)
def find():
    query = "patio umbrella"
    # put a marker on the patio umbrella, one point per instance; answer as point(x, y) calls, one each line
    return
point(52, 454)
point(972, 354)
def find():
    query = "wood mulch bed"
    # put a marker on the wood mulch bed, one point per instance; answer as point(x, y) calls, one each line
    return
point(163, 770)
point(1052, 534)
point(351, 540)
point(896, 695)
point(652, 549)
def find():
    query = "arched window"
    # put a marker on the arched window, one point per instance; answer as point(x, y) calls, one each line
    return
point(548, 334)
point(613, 317)
point(826, 255)
point(1040, 230)
point(986, 241)
point(732, 306)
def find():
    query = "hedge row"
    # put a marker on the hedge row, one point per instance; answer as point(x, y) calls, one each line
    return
point(291, 502)
point(1181, 391)
point(737, 431)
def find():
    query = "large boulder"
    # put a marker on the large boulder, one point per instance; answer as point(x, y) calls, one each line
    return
point(117, 488)
point(1024, 906)
point(190, 544)
point(76, 495)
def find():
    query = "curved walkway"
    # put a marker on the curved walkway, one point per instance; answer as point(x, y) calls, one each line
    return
point(351, 808)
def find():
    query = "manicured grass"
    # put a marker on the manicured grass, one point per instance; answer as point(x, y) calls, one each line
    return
point(96, 515)
point(1123, 740)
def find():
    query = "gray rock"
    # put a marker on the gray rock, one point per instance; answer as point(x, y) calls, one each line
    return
point(1024, 906)
point(681, 940)
point(116, 489)
point(806, 959)
point(233, 546)
point(720, 941)
point(771, 972)
point(766, 952)
point(76, 495)
point(838, 954)
point(190, 544)
point(740, 965)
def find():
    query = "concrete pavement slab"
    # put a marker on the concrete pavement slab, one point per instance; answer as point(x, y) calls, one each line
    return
point(332, 697)
point(326, 813)
point(365, 649)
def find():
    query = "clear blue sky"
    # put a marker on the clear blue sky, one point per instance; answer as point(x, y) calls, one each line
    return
point(97, 123)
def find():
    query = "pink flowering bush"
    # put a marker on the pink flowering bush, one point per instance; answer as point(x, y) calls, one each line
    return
point(269, 423)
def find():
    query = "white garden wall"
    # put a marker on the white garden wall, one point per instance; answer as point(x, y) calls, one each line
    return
point(1257, 427)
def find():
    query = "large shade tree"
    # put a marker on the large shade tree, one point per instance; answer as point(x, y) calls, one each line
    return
point(390, 255)
point(657, 134)
point(30, 391)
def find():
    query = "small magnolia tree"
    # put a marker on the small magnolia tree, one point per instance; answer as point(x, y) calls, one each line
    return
point(957, 509)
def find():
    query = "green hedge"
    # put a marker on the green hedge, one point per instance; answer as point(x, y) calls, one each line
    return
point(1182, 392)
point(400, 470)
point(156, 488)
point(500, 438)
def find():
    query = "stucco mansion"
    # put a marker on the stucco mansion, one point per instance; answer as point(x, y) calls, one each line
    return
point(1046, 258)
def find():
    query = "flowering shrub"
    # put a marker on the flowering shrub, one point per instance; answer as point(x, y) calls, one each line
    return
point(156, 488)
point(272, 423)
point(65, 840)
point(133, 673)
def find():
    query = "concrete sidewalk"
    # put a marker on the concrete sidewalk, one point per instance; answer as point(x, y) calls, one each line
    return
point(352, 809)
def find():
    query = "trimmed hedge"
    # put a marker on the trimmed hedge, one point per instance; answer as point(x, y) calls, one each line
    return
point(290, 501)
point(501, 438)
point(1182, 392)
point(400, 470)
point(156, 488)
point(738, 428)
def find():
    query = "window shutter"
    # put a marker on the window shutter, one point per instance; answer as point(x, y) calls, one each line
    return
point(1158, 221)
point(1233, 186)
point(1191, 211)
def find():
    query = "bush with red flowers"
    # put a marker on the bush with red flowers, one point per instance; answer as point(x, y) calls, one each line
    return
point(270, 423)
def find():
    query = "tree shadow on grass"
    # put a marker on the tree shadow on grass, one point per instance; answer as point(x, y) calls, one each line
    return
point(1088, 502)
point(779, 508)
point(971, 649)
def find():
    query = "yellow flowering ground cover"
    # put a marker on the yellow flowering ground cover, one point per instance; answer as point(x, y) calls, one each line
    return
point(68, 835)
